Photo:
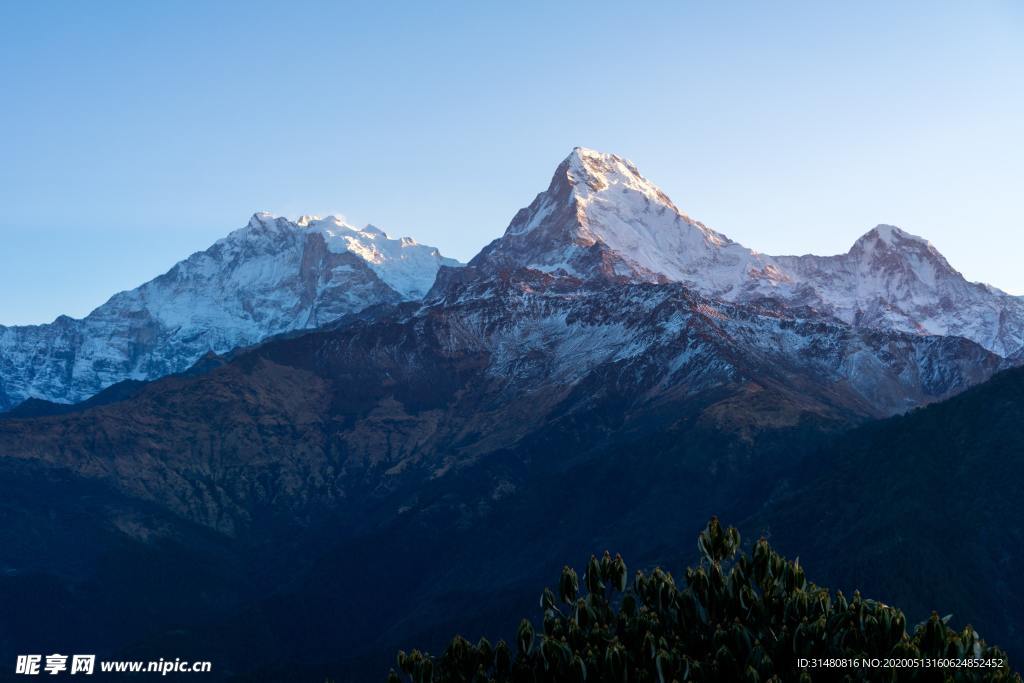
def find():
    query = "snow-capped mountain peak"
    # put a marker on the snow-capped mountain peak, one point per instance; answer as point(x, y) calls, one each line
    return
point(883, 239)
point(889, 253)
point(601, 218)
point(271, 276)
point(893, 279)
point(890, 234)
point(606, 187)
point(591, 172)
point(403, 264)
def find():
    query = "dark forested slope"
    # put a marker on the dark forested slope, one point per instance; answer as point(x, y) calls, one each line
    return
point(925, 509)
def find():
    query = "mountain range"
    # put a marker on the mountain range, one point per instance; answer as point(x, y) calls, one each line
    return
point(599, 217)
point(270, 277)
point(440, 437)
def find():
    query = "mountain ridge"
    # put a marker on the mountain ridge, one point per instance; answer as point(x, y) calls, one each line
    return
point(600, 217)
point(446, 383)
point(268, 277)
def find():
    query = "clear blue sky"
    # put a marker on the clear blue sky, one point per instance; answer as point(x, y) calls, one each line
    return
point(132, 134)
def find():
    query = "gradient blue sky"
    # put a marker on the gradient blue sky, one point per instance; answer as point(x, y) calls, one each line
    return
point(132, 134)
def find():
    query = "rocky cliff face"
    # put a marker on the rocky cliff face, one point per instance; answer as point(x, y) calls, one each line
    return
point(600, 217)
point(271, 276)
point(422, 389)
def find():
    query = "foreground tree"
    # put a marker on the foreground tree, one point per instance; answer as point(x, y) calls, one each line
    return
point(758, 619)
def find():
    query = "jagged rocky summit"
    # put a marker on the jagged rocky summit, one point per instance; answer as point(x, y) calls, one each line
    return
point(601, 218)
point(269, 277)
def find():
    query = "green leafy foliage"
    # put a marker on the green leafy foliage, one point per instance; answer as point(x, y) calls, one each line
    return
point(751, 619)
